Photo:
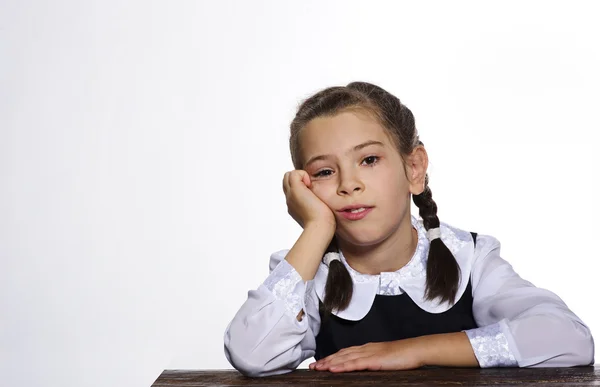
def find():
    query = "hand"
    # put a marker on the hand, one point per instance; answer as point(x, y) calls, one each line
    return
point(384, 356)
point(303, 205)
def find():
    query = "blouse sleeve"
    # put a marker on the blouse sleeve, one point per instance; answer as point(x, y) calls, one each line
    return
point(520, 324)
point(265, 337)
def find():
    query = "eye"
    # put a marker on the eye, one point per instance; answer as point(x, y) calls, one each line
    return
point(371, 160)
point(323, 173)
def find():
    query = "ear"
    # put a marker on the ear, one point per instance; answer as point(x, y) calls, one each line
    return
point(417, 163)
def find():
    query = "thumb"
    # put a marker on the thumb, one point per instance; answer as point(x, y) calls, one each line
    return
point(297, 179)
point(306, 179)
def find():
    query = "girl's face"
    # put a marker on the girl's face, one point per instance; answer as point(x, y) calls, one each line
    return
point(352, 161)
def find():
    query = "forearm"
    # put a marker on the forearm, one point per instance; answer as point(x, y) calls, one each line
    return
point(262, 339)
point(306, 254)
point(447, 349)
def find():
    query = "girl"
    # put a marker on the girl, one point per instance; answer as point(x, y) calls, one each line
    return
point(367, 286)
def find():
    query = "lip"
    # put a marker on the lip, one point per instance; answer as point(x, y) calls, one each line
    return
point(355, 216)
point(354, 206)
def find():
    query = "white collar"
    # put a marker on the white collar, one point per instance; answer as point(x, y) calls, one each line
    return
point(411, 278)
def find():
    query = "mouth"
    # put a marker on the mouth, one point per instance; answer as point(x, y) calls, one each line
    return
point(355, 208)
point(355, 212)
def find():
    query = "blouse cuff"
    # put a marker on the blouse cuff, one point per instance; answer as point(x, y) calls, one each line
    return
point(490, 345)
point(287, 285)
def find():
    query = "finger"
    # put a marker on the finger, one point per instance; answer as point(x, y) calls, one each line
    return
point(341, 352)
point(335, 362)
point(364, 363)
point(295, 177)
point(327, 359)
point(306, 178)
point(286, 183)
point(338, 360)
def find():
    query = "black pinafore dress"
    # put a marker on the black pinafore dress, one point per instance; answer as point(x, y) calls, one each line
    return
point(393, 318)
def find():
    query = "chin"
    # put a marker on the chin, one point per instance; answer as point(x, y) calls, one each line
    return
point(362, 239)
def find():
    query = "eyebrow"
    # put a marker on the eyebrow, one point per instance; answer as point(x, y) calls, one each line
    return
point(355, 149)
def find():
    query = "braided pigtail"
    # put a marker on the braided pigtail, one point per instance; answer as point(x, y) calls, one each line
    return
point(443, 273)
point(338, 288)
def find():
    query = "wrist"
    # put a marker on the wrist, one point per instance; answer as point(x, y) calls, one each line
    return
point(324, 229)
point(306, 254)
point(419, 347)
point(445, 349)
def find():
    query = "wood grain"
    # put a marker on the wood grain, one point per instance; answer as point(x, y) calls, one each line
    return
point(576, 376)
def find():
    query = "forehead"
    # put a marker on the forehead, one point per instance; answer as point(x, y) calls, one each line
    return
point(337, 134)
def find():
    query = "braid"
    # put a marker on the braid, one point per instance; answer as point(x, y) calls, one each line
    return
point(338, 287)
point(442, 269)
point(427, 207)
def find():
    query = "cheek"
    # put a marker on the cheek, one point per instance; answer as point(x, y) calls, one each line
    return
point(387, 178)
point(324, 191)
point(391, 186)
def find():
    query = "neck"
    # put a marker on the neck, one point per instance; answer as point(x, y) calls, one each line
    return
point(388, 255)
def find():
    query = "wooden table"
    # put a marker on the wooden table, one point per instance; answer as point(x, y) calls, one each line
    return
point(576, 376)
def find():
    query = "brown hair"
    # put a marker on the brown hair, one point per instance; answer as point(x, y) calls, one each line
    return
point(442, 269)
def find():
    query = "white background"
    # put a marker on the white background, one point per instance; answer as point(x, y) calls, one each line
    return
point(142, 146)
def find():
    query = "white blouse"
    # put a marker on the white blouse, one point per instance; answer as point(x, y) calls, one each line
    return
point(520, 325)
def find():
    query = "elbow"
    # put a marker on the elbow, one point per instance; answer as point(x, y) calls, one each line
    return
point(266, 343)
point(247, 361)
point(582, 353)
point(584, 359)
point(251, 367)
point(573, 350)
point(240, 358)
point(244, 364)
point(585, 355)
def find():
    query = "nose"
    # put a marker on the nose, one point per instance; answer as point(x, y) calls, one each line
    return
point(349, 183)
